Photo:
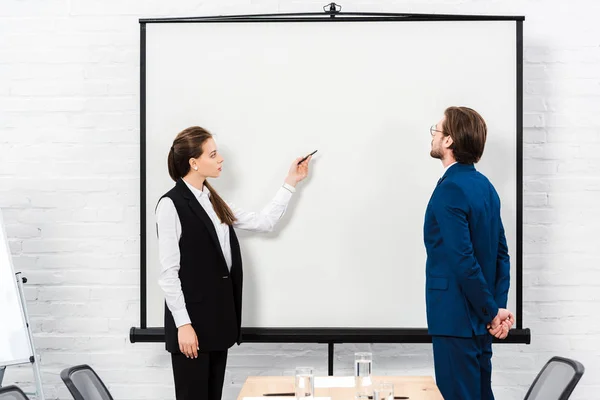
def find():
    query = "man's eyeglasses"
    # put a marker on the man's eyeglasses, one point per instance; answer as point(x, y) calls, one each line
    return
point(432, 130)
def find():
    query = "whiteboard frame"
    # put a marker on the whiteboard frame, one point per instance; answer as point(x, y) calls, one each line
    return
point(334, 335)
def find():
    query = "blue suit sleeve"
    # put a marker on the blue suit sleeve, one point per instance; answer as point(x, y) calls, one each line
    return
point(451, 211)
point(502, 271)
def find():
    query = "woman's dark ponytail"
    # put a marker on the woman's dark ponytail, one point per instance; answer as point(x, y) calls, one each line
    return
point(172, 166)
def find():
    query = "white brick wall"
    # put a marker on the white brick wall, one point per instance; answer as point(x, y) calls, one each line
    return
point(69, 190)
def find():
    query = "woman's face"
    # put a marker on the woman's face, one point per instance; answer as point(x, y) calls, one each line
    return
point(210, 163)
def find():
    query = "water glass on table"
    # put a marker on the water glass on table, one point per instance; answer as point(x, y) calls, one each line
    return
point(363, 363)
point(383, 391)
point(305, 383)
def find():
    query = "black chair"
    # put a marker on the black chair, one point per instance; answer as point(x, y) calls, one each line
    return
point(556, 381)
point(84, 384)
point(12, 392)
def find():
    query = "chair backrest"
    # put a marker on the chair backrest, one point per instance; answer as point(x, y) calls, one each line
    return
point(556, 380)
point(12, 392)
point(84, 384)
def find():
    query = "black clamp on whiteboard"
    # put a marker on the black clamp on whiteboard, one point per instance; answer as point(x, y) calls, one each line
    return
point(333, 9)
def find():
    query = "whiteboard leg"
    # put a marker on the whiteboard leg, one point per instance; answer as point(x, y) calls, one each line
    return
point(38, 379)
point(1, 374)
point(34, 359)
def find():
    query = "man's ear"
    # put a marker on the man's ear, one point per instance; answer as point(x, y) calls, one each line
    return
point(448, 141)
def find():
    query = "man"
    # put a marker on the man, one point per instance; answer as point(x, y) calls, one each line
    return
point(467, 261)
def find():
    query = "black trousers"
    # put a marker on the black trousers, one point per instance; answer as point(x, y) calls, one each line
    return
point(199, 378)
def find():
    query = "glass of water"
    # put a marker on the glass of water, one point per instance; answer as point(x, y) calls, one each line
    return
point(383, 391)
point(363, 363)
point(305, 383)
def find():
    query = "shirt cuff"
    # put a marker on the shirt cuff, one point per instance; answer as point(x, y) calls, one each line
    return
point(289, 187)
point(181, 317)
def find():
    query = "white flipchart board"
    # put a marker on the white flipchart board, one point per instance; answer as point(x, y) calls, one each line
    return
point(14, 338)
point(349, 252)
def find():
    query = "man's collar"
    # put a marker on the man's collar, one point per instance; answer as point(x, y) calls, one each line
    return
point(446, 169)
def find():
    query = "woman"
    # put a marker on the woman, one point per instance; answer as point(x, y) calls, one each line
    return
point(201, 264)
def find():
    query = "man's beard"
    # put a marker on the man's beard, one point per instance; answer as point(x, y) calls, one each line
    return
point(436, 153)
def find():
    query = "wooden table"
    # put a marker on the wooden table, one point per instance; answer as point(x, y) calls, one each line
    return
point(415, 387)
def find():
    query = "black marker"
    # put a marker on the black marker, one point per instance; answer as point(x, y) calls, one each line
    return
point(304, 159)
point(280, 394)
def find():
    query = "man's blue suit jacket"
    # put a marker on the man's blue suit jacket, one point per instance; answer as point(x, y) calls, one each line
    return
point(468, 266)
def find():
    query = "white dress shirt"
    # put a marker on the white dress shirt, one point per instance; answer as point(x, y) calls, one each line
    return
point(169, 233)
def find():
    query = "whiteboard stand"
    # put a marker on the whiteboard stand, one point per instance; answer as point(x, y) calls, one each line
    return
point(34, 360)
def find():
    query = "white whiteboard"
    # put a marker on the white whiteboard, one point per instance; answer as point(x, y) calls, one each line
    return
point(14, 339)
point(349, 252)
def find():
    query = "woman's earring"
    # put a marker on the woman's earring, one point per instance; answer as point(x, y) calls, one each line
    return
point(195, 168)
